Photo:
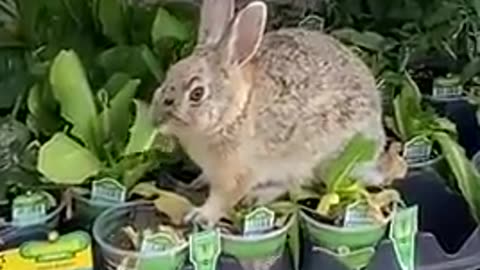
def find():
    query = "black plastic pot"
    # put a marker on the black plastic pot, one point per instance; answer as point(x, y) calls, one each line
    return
point(449, 239)
point(463, 115)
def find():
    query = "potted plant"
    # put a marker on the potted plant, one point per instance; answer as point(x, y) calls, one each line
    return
point(102, 143)
point(249, 237)
point(343, 218)
point(27, 207)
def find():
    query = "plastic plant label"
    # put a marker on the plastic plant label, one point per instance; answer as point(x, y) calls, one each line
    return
point(403, 230)
point(205, 248)
point(108, 190)
point(418, 149)
point(356, 215)
point(312, 22)
point(160, 241)
point(72, 251)
point(447, 87)
point(258, 221)
point(29, 209)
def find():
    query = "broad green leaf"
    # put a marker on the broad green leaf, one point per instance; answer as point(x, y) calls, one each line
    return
point(359, 149)
point(174, 205)
point(406, 107)
point(166, 25)
point(64, 161)
point(467, 177)
point(71, 89)
point(119, 115)
point(114, 60)
point(152, 62)
point(42, 118)
point(142, 133)
point(369, 40)
point(111, 14)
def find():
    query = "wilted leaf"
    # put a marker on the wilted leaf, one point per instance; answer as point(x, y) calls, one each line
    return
point(175, 206)
point(142, 133)
point(64, 161)
point(72, 90)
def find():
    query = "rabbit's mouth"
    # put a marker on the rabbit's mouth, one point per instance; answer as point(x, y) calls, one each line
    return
point(176, 118)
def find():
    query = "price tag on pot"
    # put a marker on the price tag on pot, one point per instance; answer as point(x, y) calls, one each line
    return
point(160, 241)
point(205, 248)
point(356, 215)
point(259, 221)
point(418, 149)
point(108, 190)
point(403, 230)
point(29, 209)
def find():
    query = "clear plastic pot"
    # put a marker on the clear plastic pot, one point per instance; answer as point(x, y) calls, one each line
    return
point(85, 210)
point(116, 258)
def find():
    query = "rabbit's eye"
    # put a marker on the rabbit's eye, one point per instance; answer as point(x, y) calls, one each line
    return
point(197, 93)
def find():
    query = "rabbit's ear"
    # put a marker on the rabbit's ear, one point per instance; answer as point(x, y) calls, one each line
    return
point(215, 16)
point(245, 34)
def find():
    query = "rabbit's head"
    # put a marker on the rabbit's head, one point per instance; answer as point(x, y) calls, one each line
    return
point(203, 90)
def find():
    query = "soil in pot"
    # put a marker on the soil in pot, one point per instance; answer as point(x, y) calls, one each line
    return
point(121, 231)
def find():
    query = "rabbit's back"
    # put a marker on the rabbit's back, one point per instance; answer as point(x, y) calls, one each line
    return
point(311, 95)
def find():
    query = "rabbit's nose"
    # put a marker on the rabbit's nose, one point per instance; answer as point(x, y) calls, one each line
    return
point(168, 101)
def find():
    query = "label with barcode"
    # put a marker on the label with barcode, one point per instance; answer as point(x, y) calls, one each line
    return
point(417, 150)
point(259, 221)
point(357, 215)
point(29, 209)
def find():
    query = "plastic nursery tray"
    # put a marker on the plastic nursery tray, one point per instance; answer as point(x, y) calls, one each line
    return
point(453, 245)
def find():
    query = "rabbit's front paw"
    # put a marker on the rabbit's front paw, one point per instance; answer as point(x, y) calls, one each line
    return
point(206, 216)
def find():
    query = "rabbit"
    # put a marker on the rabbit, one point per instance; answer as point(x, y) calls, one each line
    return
point(261, 112)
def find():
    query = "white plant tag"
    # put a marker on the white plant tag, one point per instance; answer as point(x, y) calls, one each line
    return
point(258, 221)
point(356, 215)
point(157, 242)
point(29, 209)
point(447, 88)
point(108, 190)
point(418, 149)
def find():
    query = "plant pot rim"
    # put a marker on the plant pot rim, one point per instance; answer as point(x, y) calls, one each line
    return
point(48, 217)
point(329, 227)
point(426, 163)
point(429, 97)
point(77, 195)
point(261, 237)
point(113, 249)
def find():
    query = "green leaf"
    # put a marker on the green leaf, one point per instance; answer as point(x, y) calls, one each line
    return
point(64, 161)
point(42, 118)
point(467, 177)
point(142, 133)
point(112, 14)
point(119, 114)
point(166, 25)
point(113, 60)
point(368, 40)
point(406, 107)
point(71, 89)
point(358, 149)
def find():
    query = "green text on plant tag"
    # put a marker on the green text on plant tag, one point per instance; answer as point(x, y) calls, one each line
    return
point(356, 215)
point(417, 150)
point(447, 87)
point(259, 221)
point(205, 248)
point(29, 209)
point(403, 230)
point(157, 242)
point(108, 190)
